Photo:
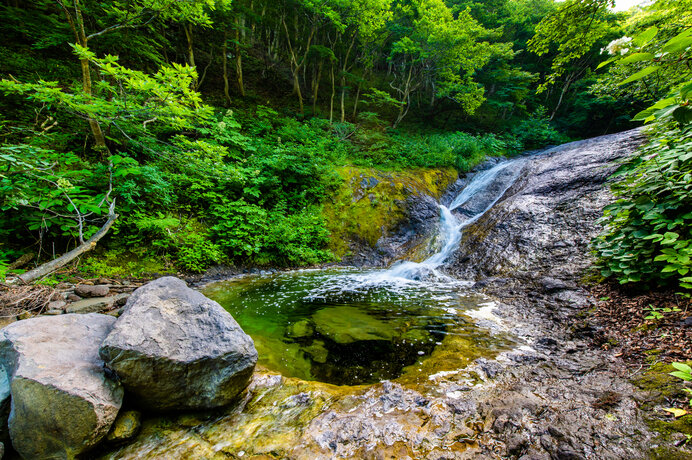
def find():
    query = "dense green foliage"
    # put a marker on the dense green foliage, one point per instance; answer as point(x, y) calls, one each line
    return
point(213, 127)
point(647, 236)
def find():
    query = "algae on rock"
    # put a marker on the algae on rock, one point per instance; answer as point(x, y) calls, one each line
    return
point(372, 204)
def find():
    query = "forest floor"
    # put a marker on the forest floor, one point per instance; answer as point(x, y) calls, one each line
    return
point(635, 325)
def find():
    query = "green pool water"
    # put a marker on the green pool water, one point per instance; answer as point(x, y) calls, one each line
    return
point(350, 326)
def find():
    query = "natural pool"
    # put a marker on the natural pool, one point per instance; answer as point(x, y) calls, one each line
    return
point(350, 326)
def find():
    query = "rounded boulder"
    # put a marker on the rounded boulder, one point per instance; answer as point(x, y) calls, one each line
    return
point(174, 349)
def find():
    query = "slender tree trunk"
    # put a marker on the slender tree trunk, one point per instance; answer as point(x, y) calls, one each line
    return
point(239, 58)
point(76, 23)
point(565, 87)
point(206, 67)
point(190, 49)
point(331, 101)
point(226, 85)
point(405, 100)
point(360, 87)
point(316, 86)
point(344, 71)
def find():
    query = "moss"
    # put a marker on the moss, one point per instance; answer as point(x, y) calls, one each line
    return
point(119, 263)
point(662, 388)
point(371, 203)
point(658, 382)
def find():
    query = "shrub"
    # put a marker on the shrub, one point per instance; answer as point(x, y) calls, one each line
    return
point(537, 132)
point(647, 234)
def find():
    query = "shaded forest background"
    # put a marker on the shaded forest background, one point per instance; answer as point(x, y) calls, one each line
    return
point(213, 128)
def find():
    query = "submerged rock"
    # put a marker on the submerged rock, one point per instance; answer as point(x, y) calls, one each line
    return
point(62, 401)
point(173, 348)
point(349, 324)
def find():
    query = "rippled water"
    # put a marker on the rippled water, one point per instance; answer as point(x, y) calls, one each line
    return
point(346, 326)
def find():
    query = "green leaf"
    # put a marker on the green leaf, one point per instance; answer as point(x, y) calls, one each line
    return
point(678, 43)
point(645, 37)
point(682, 367)
point(641, 74)
point(606, 62)
point(683, 115)
point(637, 57)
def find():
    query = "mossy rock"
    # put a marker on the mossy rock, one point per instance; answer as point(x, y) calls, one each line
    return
point(372, 203)
point(125, 427)
point(346, 325)
point(300, 329)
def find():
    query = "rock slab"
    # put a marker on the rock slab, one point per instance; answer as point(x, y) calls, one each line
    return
point(175, 349)
point(62, 401)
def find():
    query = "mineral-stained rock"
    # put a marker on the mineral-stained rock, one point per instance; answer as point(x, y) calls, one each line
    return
point(62, 401)
point(173, 348)
point(125, 426)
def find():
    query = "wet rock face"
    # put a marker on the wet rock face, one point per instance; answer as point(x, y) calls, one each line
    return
point(175, 349)
point(377, 217)
point(544, 224)
point(62, 401)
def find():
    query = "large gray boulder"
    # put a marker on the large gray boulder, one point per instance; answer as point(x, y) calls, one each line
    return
point(173, 348)
point(62, 401)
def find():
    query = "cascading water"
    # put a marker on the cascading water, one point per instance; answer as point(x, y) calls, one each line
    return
point(354, 326)
point(486, 188)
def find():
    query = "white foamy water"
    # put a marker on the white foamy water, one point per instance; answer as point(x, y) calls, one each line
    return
point(483, 192)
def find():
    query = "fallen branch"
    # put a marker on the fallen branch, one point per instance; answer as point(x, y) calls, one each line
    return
point(50, 267)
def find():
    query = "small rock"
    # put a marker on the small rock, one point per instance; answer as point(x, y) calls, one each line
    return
point(56, 305)
point(121, 300)
point(53, 312)
point(173, 348)
point(103, 281)
point(553, 285)
point(73, 298)
point(89, 305)
point(125, 427)
point(687, 322)
point(517, 443)
point(91, 291)
point(24, 315)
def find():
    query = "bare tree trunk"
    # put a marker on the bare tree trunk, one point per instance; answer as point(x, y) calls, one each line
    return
point(344, 71)
point(565, 87)
point(405, 102)
point(190, 50)
point(226, 85)
point(239, 58)
point(331, 102)
point(355, 102)
point(50, 267)
point(204, 73)
point(316, 86)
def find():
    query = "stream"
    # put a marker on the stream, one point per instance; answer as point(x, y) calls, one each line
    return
point(354, 326)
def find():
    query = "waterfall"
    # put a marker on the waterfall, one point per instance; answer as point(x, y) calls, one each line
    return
point(481, 194)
